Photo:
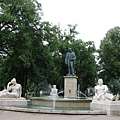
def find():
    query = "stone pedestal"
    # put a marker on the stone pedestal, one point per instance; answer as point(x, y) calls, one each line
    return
point(13, 102)
point(111, 107)
point(70, 86)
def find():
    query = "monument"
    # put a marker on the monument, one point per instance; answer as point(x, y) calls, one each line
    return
point(70, 80)
point(104, 100)
point(12, 95)
point(54, 91)
point(54, 95)
point(101, 92)
point(70, 61)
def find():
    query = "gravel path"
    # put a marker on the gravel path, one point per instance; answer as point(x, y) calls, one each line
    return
point(10, 115)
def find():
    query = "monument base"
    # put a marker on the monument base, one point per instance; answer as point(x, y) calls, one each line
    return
point(111, 107)
point(70, 86)
point(13, 102)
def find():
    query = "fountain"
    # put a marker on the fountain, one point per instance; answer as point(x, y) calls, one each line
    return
point(71, 99)
point(71, 105)
point(54, 101)
point(71, 102)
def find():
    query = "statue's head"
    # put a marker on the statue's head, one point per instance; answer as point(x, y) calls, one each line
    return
point(100, 81)
point(54, 86)
point(13, 81)
point(70, 49)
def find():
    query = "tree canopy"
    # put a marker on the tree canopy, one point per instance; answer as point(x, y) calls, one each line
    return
point(109, 63)
point(33, 51)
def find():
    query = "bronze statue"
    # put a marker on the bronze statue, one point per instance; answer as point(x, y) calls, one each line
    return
point(70, 61)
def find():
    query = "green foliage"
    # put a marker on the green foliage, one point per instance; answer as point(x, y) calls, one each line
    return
point(116, 87)
point(17, 30)
point(109, 55)
point(86, 65)
point(34, 52)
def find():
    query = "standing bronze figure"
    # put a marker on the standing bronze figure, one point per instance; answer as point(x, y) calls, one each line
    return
point(70, 61)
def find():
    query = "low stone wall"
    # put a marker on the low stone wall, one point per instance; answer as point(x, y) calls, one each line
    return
point(61, 103)
point(112, 107)
point(14, 102)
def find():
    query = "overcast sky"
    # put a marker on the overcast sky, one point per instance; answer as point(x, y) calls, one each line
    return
point(93, 17)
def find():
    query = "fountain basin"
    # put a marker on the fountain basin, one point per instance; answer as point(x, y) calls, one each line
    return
point(61, 103)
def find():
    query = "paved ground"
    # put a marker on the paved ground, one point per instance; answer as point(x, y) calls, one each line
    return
point(10, 115)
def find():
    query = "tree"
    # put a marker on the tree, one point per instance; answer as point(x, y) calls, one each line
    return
point(86, 65)
point(86, 69)
point(34, 52)
point(17, 30)
point(109, 64)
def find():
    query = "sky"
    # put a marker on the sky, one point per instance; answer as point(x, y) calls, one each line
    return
point(93, 17)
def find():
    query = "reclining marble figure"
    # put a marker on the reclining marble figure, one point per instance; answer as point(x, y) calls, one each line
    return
point(101, 93)
point(13, 90)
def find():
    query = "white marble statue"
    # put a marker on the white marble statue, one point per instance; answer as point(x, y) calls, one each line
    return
point(54, 91)
point(13, 90)
point(101, 92)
